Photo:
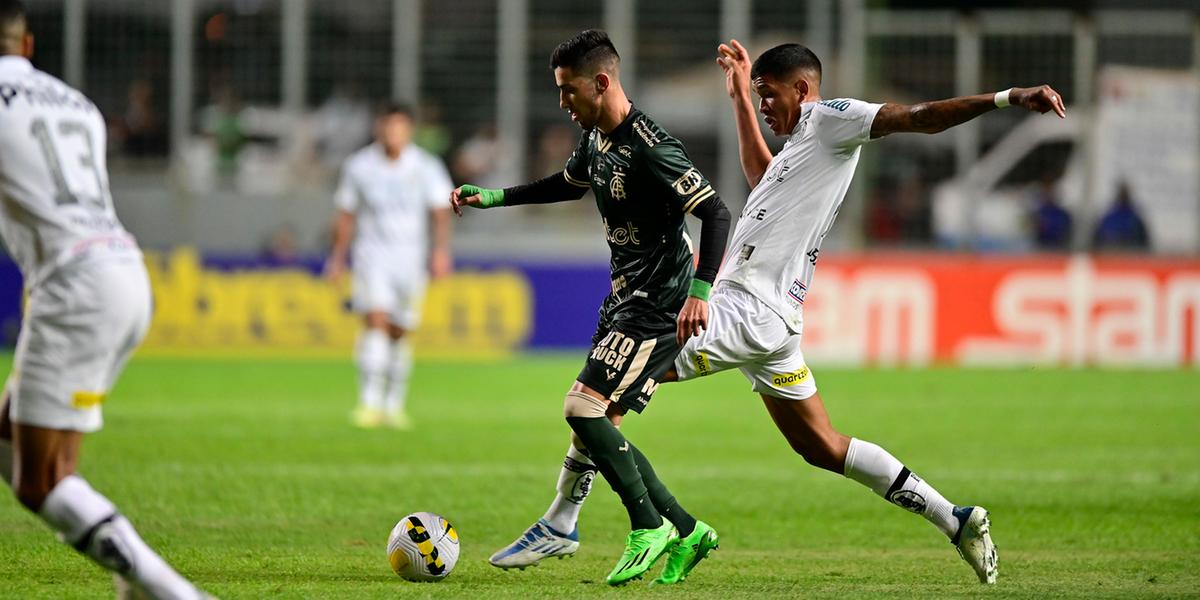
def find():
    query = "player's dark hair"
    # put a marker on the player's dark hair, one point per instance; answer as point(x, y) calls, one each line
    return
point(393, 107)
point(587, 51)
point(11, 11)
point(783, 60)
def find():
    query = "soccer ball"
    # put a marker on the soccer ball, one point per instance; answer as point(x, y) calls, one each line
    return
point(423, 547)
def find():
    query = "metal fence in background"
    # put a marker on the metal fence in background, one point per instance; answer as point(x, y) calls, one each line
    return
point(229, 118)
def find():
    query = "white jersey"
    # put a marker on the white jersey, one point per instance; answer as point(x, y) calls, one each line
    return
point(55, 204)
point(390, 201)
point(775, 245)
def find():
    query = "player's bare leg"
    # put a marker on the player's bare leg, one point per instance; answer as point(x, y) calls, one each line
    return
point(806, 426)
point(372, 358)
point(44, 480)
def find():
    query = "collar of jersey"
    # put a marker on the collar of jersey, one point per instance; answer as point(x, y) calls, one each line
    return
point(805, 110)
point(619, 130)
point(12, 61)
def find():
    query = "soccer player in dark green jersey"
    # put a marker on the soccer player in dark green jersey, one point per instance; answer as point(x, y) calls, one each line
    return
point(644, 184)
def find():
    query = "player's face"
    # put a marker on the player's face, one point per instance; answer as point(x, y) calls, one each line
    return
point(394, 132)
point(579, 95)
point(779, 102)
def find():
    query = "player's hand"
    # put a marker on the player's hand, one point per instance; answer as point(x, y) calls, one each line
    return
point(693, 319)
point(440, 264)
point(457, 200)
point(1042, 99)
point(735, 61)
point(335, 268)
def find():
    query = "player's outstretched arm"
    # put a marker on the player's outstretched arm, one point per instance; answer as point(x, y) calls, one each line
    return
point(752, 148)
point(555, 188)
point(934, 117)
point(714, 233)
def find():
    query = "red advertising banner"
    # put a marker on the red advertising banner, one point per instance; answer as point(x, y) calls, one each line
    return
point(1064, 310)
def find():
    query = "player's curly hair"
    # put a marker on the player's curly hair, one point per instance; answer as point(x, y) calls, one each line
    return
point(783, 60)
point(587, 51)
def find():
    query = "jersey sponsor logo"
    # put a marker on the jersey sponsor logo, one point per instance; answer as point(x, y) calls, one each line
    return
point(614, 351)
point(798, 291)
point(796, 377)
point(813, 255)
point(744, 254)
point(839, 105)
point(644, 132)
point(616, 185)
point(689, 182)
point(775, 175)
point(625, 151)
point(703, 367)
point(621, 236)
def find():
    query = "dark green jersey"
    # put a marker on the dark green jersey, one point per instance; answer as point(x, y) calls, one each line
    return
point(644, 183)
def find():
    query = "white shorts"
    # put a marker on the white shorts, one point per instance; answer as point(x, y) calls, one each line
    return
point(746, 334)
point(80, 326)
point(392, 289)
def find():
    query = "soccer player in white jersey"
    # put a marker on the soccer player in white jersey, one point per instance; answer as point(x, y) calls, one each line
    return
point(88, 308)
point(390, 194)
point(756, 310)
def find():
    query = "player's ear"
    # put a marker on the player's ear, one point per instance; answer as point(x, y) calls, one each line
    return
point(27, 46)
point(603, 81)
point(801, 87)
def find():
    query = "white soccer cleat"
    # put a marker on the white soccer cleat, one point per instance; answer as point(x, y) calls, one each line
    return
point(974, 542)
point(538, 542)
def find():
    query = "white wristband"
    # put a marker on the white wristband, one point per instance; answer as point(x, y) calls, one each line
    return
point(1001, 98)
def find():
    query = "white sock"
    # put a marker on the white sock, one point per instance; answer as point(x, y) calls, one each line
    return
point(875, 468)
point(372, 368)
point(6, 461)
point(574, 485)
point(88, 521)
point(399, 367)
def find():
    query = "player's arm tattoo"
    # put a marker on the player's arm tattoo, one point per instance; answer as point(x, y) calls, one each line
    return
point(930, 117)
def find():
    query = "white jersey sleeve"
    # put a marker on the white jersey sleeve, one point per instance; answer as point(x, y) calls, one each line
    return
point(346, 196)
point(844, 124)
point(437, 183)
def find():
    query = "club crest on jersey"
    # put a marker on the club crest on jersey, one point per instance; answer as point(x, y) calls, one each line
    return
point(688, 182)
point(798, 291)
point(616, 186)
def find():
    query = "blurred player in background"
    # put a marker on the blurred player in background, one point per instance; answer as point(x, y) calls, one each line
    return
point(391, 194)
point(756, 313)
point(644, 184)
point(88, 308)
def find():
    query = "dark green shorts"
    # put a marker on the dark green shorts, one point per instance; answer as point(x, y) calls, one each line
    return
point(627, 367)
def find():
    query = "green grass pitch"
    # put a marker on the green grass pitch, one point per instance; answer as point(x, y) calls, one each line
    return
point(247, 477)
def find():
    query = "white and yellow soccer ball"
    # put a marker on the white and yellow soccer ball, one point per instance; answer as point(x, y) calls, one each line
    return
point(423, 547)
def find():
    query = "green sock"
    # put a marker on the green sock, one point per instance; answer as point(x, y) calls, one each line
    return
point(611, 453)
point(663, 501)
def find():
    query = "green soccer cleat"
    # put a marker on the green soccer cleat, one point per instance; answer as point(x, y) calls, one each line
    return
point(642, 548)
point(687, 553)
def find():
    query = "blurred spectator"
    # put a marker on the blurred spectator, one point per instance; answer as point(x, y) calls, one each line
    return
point(897, 212)
point(432, 135)
point(882, 222)
point(140, 130)
point(478, 159)
point(342, 125)
point(1121, 228)
point(554, 147)
point(281, 248)
point(221, 120)
point(1051, 222)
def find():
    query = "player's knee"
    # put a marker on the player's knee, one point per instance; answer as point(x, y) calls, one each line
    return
point(579, 404)
point(824, 452)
